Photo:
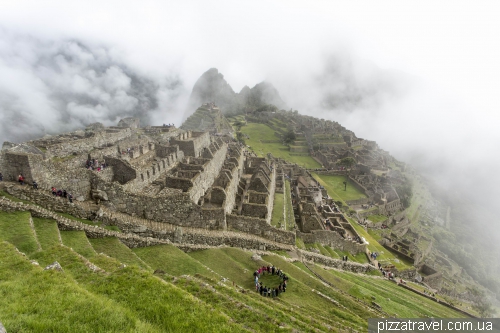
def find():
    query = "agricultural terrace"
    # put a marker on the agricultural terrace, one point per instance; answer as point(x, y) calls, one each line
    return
point(335, 187)
point(262, 140)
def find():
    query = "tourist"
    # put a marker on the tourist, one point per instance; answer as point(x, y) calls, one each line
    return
point(35, 185)
point(70, 198)
point(64, 194)
point(54, 191)
point(1, 177)
point(59, 193)
point(21, 179)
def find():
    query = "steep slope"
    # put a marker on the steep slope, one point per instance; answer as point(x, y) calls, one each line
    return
point(211, 87)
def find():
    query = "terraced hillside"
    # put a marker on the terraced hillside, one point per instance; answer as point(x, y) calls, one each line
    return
point(104, 286)
point(264, 139)
point(206, 119)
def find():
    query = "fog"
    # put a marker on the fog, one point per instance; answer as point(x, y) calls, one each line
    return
point(421, 80)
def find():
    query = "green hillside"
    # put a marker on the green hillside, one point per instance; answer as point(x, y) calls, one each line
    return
point(209, 290)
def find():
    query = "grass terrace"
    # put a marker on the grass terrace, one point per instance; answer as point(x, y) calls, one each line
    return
point(277, 219)
point(335, 187)
point(262, 140)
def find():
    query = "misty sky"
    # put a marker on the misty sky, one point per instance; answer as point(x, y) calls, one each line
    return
point(420, 78)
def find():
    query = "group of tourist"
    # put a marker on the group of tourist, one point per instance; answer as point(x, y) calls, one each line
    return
point(93, 164)
point(61, 193)
point(269, 291)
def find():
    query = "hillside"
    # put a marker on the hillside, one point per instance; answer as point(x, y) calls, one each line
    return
point(105, 286)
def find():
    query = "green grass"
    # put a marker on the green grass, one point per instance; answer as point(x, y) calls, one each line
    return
point(300, 243)
point(360, 257)
point(289, 216)
point(392, 298)
point(277, 219)
point(261, 132)
point(238, 267)
point(112, 247)
point(163, 306)
point(171, 260)
point(77, 240)
point(131, 299)
point(319, 247)
point(385, 256)
point(15, 228)
point(332, 252)
point(34, 300)
point(335, 187)
point(46, 232)
point(376, 218)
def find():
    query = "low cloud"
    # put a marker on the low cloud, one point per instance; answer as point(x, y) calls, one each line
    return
point(52, 86)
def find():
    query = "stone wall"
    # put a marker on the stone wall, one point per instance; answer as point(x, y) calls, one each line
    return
point(332, 239)
point(123, 172)
point(259, 227)
point(131, 240)
point(255, 210)
point(136, 234)
point(192, 143)
point(310, 223)
point(98, 139)
point(211, 170)
point(16, 164)
point(232, 187)
point(336, 263)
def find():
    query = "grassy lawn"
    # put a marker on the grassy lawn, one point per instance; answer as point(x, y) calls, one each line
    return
point(171, 260)
point(34, 300)
point(237, 266)
point(290, 218)
point(112, 247)
point(392, 298)
point(77, 240)
point(15, 228)
point(277, 218)
point(156, 304)
point(46, 232)
point(385, 256)
point(258, 133)
point(335, 187)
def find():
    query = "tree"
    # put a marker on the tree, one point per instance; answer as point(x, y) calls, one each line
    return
point(346, 162)
point(289, 136)
point(240, 137)
point(267, 107)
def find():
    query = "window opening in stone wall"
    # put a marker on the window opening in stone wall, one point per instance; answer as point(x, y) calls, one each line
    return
point(147, 173)
point(142, 177)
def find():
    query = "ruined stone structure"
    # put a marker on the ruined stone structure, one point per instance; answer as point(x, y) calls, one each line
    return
point(198, 178)
point(157, 173)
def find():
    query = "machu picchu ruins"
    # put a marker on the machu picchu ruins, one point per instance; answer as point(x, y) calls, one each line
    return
point(266, 180)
